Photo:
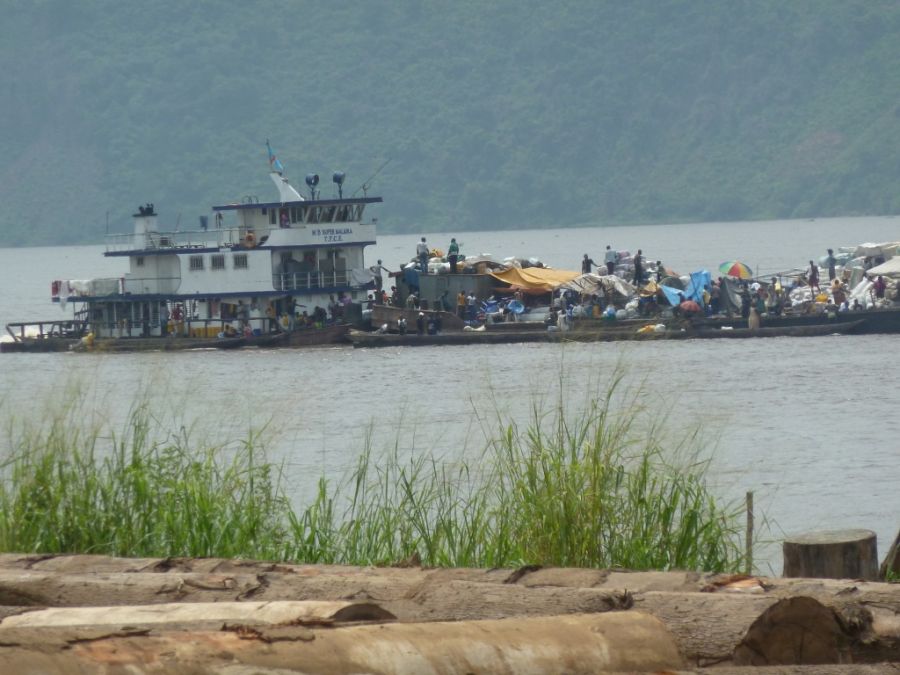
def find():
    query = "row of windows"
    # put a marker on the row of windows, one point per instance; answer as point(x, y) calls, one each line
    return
point(315, 214)
point(217, 261)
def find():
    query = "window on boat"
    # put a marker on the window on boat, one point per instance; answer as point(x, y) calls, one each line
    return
point(196, 263)
point(328, 214)
point(217, 261)
point(139, 261)
point(271, 216)
point(240, 261)
point(313, 215)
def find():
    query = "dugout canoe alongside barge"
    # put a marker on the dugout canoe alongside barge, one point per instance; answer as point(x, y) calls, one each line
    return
point(305, 337)
point(363, 339)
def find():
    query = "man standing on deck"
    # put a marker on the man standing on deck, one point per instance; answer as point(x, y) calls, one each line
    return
point(611, 259)
point(831, 261)
point(638, 268)
point(290, 308)
point(164, 319)
point(453, 255)
point(379, 280)
point(586, 264)
point(422, 253)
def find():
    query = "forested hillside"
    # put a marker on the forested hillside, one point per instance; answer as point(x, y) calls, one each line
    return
point(497, 114)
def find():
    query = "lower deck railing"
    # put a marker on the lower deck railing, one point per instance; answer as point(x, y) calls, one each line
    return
point(309, 280)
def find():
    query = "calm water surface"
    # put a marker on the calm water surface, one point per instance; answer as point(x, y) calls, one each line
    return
point(811, 425)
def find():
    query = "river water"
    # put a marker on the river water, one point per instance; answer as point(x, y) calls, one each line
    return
point(811, 425)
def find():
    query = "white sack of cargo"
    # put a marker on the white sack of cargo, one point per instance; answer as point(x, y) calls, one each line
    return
point(868, 250)
point(890, 269)
point(861, 291)
point(595, 284)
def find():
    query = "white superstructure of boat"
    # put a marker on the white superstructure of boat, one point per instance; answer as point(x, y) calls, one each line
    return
point(294, 253)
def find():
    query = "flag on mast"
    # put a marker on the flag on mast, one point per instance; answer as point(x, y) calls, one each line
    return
point(274, 164)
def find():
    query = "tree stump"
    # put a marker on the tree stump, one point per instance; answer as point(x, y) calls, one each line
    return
point(832, 554)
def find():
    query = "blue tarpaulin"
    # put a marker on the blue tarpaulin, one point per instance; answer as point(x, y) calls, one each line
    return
point(694, 290)
point(673, 295)
point(699, 280)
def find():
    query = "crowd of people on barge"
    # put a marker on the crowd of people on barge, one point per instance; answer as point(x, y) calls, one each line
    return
point(658, 291)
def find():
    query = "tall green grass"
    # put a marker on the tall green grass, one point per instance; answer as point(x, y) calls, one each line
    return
point(70, 485)
point(593, 487)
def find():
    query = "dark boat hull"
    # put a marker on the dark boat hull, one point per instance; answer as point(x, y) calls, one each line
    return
point(360, 339)
point(307, 337)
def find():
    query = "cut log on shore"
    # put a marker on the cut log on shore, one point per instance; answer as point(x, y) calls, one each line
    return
point(200, 615)
point(604, 643)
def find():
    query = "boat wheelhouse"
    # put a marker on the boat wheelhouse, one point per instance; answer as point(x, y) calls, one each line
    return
point(276, 260)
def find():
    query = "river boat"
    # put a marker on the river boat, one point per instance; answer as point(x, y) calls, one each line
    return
point(866, 322)
point(261, 263)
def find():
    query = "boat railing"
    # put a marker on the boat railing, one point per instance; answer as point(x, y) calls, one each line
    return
point(54, 328)
point(151, 285)
point(195, 328)
point(177, 240)
point(303, 281)
point(111, 286)
point(69, 289)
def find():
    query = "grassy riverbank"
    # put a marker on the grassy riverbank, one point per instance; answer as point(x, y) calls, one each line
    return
point(596, 488)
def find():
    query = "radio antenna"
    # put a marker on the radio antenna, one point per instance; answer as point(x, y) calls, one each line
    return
point(366, 185)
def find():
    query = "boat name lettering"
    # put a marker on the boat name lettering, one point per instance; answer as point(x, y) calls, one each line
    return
point(332, 233)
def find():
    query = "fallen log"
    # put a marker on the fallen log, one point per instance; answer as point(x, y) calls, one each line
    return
point(604, 643)
point(198, 615)
point(416, 598)
point(526, 576)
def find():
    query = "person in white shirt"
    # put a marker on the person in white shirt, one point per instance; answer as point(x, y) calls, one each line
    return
point(611, 259)
point(422, 253)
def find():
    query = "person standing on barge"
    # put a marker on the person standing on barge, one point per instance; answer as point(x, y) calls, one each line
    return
point(611, 258)
point(813, 277)
point(638, 268)
point(422, 254)
point(831, 261)
point(379, 280)
point(164, 319)
point(586, 264)
point(453, 254)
